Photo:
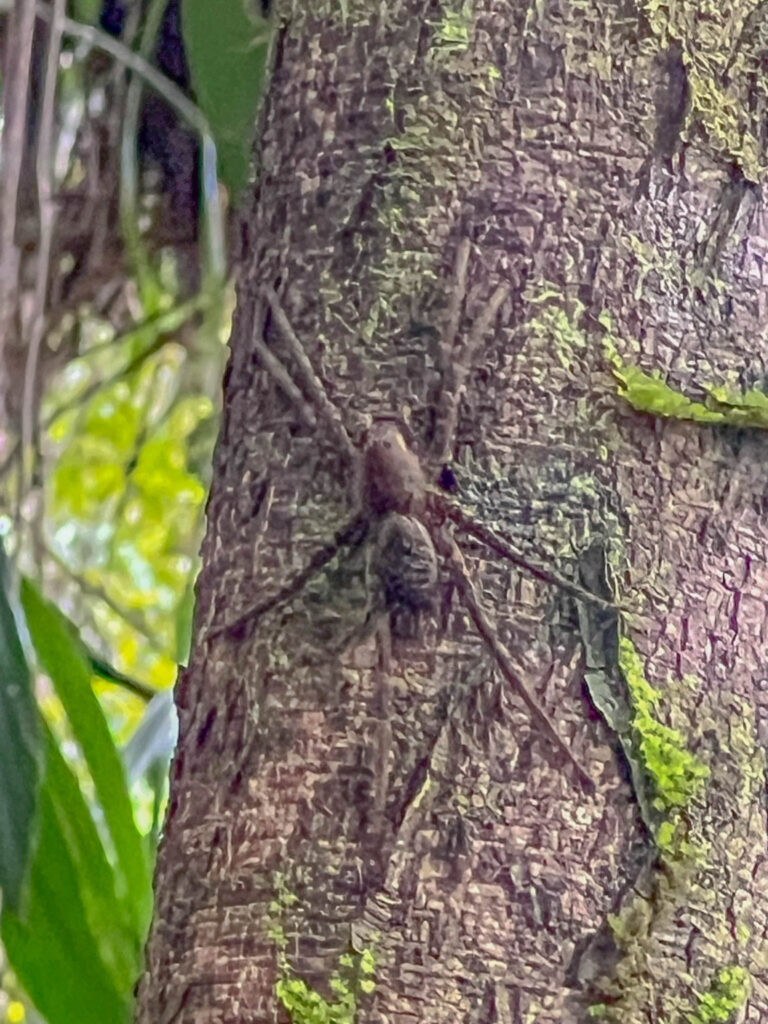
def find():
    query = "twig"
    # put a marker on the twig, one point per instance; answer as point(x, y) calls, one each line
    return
point(20, 30)
point(353, 534)
point(106, 382)
point(47, 218)
point(310, 378)
point(100, 40)
point(480, 328)
point(501, 546)
point(448, 346)
point(503, 659)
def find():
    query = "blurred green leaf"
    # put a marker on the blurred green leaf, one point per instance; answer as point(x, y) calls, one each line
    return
point(227, 45)
point(65, 661)
point(185, 611)
point(19, 749)
point(70, 949)
point(86, 10)
point(153, 741)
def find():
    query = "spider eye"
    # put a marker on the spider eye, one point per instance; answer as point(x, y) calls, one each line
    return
point(387, 444)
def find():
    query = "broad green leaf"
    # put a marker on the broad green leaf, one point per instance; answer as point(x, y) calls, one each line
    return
point(63, 658)
point(226, 45)
point(70, 948)
point(19, 750)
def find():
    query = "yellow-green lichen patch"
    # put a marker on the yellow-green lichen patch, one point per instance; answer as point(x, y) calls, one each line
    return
point(353, 978)
point(721, 50)
point(727, 994)
point(304, 1005)
point(655, 261)
point(552, 323)
point(452, 30)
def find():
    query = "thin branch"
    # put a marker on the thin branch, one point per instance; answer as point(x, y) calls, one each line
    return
point(133, 620)
point(20, 30)
point(47, 218)
point(109, 674)
point(129, 168)
point(100, 40)
point(480, 328)
point(163, 324)
point(447, 348)
point(353, 534)
point(501, 655)
point(500, 546)
point(277, 371)
point(175, 98)
point(106, 382)
point(310, 379)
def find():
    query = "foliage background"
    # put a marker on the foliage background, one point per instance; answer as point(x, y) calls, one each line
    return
point(137, 126)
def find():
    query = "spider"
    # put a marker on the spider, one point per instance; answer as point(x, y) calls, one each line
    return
point(410, 518)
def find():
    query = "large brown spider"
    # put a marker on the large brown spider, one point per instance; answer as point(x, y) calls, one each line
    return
point(409, 518)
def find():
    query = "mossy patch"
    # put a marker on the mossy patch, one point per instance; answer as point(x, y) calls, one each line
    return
point(649, 392)
point(353, 978)
point(675, 775)
point(727, 994)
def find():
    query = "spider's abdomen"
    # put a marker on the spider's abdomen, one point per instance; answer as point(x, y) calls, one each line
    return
point(405, 562)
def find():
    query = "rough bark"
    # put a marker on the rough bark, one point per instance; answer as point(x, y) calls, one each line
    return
point(602, 159)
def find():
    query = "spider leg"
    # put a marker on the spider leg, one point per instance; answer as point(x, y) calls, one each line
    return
point(382, 713)
point(309, 378)
point(501, 546)
point(446, 352)
point(356, 530)
point(456, 361)
point(457, 567)
point(459, 293)
point(277, 371)
point(352, 534)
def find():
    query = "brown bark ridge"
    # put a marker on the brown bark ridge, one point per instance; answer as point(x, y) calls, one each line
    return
point(602, 162)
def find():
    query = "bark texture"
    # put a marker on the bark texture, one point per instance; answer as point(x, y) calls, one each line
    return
point(604, 160)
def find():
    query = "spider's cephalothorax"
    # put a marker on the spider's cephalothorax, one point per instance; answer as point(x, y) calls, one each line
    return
point(393, 480)
point(404, 562)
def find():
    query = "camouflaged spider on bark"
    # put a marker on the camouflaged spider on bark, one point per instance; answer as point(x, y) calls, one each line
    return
point(407, 520)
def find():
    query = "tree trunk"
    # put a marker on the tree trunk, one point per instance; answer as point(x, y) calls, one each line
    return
point(334, 806)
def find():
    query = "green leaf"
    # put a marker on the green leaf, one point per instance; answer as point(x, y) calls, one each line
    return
point(70, 949)
point(64, 659)
point(227, 46)
point(87, 10)
point(185, 610)
point(19, 752)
